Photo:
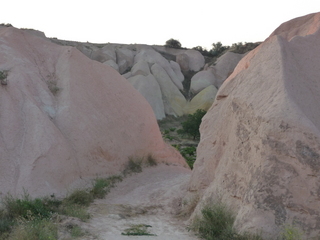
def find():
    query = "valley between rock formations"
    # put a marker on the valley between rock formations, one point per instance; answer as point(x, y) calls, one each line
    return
point(68, 116)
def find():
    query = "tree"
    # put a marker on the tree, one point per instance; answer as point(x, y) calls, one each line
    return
point(173, 43)
point(192, 124)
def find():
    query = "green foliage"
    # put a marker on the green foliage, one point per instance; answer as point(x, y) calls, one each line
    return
point(79, 197)
point(75, 210)
point(102, 186)
point(217, 222)
point(26, 207)
point(172, 129)
point(173, 43)
point(36, 229)
point(218, 49)
point(166, 131)
point(3, 74)
point(138, 230)
point(290, 232)
point(192, 124)
point(76, 231)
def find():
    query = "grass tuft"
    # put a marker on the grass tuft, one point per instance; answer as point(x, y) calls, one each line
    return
point(217, 222)
point(134, 165)
point(138, 230)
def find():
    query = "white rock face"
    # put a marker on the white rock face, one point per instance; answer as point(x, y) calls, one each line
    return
point(203, 100)
point(140, 68)
point(173, 99)
point(125, 59)
point(151, 56)
point(176, 68)
point(201, 80)
point(112, 64)
point(65, 118)
point(190, 60)
point(260, 150)
point(225, 66)
point(150, 89)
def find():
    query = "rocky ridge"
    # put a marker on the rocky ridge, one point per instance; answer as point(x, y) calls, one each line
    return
point(261, 157)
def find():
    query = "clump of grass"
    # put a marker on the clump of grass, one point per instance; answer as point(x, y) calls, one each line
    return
point(151, 161)
point(26, 207)
point(102, 186)
point(134, 165)
point(79, 197)
point(36, 229)
point(76, 231)
point(217, 222)
point(138, 230)
point(291, 232)
point(75, 210)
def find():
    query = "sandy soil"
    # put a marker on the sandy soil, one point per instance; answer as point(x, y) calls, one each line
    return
point(153, 197)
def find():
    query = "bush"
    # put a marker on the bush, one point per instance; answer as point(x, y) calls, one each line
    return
point(134, 165)
point(192, 124)
point(172, 43)
point(102, 186)
point(217, 222)
point(79, 197)
point(290, 232)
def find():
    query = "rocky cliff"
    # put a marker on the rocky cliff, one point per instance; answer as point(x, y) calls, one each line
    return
point(65, 118)
point(260, 141)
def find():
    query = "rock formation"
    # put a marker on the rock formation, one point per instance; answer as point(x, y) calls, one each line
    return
point(65, 118)
point(260, 141)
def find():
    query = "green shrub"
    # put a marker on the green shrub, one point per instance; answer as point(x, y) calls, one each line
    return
point(26, 207)
point(75, 210)
point(102, 186)
point(216, 223)
point(166, 131)
point(79, 197)
point(192, 124)
point(138, 230)
point(290, 232)
point(37, 229)
point(173, 43)
point(172, 129)
point(134, 165)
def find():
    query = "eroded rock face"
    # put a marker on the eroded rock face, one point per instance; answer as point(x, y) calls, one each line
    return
point(65, 118)
point(260, 141)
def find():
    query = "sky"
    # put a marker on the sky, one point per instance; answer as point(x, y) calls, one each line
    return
point(193, 23)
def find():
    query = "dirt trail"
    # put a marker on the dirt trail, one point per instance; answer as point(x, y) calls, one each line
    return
point(152, 197)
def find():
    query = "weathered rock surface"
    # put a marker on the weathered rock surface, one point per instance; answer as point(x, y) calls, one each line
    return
point(173, 100)
point(65, 118)
point(260, 141)
point(203, 100)
point(150, 89)
point(125, 59)
point(190, 60)
point(201, 80)
point(140, 68)
point(224, 67)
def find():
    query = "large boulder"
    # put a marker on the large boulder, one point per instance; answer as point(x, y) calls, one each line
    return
point(225, 66)
point(66, 119)
point(140, 68)
point(125, 59)
point(173, 100)
point(260, 141)
point(152, 57)
point(150, 89)
point(203, 100)
point(201, 80)
point(190, 60)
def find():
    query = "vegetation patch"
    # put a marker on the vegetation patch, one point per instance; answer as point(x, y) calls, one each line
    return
point(216, 223)
point(138, 230)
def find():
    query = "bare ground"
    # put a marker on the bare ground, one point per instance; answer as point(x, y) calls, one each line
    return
point(152, 197)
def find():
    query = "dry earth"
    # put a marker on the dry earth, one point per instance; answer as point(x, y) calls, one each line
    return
point(152, 197)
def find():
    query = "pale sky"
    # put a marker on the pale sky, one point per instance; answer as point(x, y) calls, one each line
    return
point(193, 23)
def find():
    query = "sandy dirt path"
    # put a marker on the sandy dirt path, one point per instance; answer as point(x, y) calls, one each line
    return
point(152, 197)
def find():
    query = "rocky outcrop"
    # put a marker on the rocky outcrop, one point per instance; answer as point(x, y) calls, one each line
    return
point(150, 89)
point(66, 118)
point(260, 141)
